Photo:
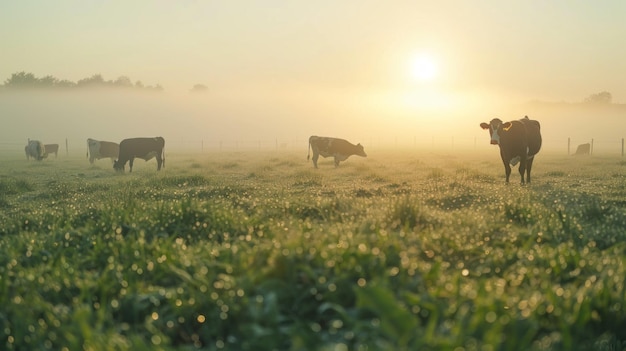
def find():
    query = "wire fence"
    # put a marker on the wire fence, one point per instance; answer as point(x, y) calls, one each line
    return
point(566, 146)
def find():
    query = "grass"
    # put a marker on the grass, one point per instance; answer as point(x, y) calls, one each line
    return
point(259, 251)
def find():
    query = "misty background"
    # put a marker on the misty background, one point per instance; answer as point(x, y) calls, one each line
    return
point(242, 75)
point(205, 120)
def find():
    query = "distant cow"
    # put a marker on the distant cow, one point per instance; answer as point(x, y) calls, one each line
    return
point(52, 149)
point(97, 149)
point(519, 141)
point(36, 150)
point(144, 148)
point(583, 149)
point(340, 149)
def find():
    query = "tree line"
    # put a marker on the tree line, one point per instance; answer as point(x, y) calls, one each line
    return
point(23, 80)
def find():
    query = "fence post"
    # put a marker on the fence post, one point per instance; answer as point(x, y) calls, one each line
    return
point(622, 147)
point(67, 149)
point(568, 145)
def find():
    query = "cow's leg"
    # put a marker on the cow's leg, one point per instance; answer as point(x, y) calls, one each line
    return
point(315, 157)
point(130, 163)
point(529, 166)
point(159, 162)
point(507, 170)
point(337, 161)
point(522, 169)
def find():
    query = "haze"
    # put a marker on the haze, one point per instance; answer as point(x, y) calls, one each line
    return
point(279, 71)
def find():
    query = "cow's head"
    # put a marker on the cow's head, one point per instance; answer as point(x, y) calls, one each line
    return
point(360, 151)
point(496, 127)
point(118, 166)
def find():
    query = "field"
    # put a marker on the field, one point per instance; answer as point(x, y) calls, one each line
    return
point(259, 251)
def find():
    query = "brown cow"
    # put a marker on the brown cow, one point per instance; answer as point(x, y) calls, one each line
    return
point(340, 149)
point(583, 149)
point(52, 149)
point(144, 148)
point(519, 141)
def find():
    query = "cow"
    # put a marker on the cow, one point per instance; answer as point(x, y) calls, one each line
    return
point(36, 150)
point(52, 149)
point(519, 141)
point(340, 149)
point(144, 148)
point(583, 149)
point(97, 149)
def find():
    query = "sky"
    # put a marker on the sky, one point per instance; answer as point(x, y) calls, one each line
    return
point(325, 66)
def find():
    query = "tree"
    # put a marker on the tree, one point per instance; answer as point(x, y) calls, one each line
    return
point(199, 88)
point(21, 80)
point(603, 97)
point(48, 82)
point(93, 81)
point(65, 84)
point(123, 81)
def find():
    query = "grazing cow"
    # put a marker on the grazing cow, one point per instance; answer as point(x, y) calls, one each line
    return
point(52, 149)
point(340, 149)
point(583, 149)
point(519, 141)
point(97, 149)
point(144, 148)
point(36, 150)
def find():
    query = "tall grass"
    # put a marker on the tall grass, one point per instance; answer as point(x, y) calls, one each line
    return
point(262, 252)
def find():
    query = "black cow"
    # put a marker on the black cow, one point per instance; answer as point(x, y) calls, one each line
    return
point(144, 148)
point(519, 141)
point(338, 148)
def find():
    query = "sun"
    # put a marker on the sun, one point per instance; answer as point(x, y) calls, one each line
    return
point(424, 67)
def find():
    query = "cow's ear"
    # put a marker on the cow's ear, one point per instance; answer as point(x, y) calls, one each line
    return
point(506, 126)
point(484, 125)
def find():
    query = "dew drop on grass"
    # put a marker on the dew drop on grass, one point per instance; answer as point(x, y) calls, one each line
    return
point(394, 271)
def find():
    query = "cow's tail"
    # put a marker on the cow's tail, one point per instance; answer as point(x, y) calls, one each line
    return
point(163, 158)
point(87, 155)
point(309, 154)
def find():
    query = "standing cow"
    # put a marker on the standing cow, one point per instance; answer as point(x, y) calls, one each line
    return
point(97, 149)
point(340, 149)
point(519, 141)
point(144, 148)
point(35, 149)
point(52, 149)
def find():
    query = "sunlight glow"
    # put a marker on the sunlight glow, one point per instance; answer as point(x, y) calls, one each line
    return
point(424, 67)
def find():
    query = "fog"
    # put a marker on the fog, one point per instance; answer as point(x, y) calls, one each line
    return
point(269, 120)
